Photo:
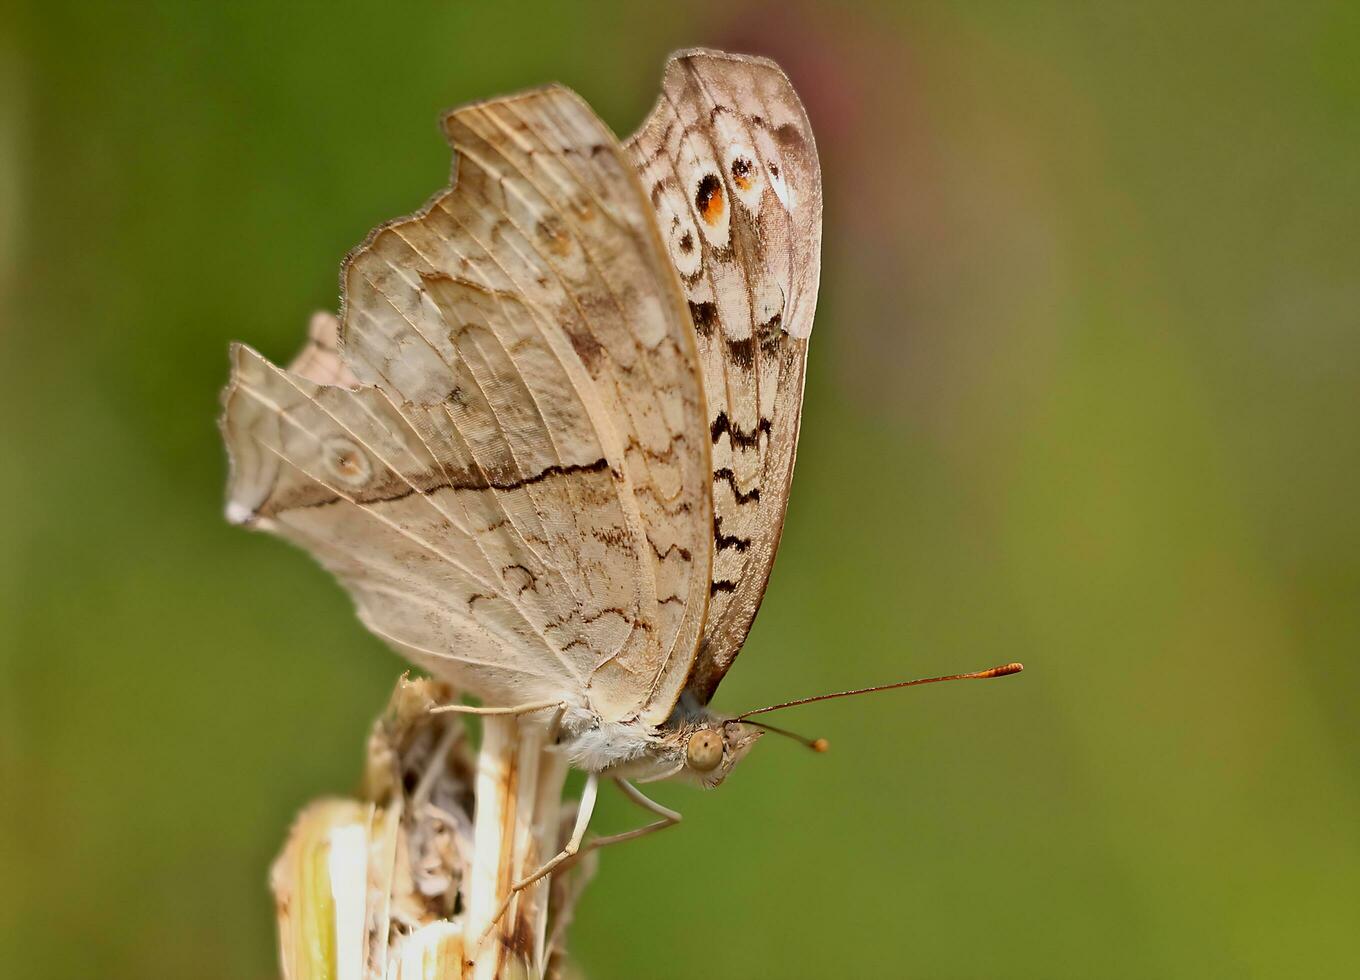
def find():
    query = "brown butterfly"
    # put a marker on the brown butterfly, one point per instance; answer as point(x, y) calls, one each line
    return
point(549, 444)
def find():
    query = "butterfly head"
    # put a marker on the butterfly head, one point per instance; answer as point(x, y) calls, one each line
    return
point(712, 748)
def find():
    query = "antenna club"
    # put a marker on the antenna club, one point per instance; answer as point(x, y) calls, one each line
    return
point(819, 745)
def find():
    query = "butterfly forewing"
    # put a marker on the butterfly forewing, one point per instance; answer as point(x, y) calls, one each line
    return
point(508, 475)
point(729, 163)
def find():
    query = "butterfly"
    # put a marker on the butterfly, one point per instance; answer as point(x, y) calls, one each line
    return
point(548, 444)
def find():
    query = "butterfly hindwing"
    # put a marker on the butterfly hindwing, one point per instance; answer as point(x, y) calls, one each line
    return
point(503, 464)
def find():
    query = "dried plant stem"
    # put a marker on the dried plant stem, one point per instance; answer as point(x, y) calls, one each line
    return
point(518, 821)
point(407, 882)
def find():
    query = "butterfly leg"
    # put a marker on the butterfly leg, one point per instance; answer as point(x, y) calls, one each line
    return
point(584, 811)
point(575, 850)
point(669, 818)
point(519, 709)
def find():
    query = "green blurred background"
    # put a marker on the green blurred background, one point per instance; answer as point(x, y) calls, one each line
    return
point(1083, 393)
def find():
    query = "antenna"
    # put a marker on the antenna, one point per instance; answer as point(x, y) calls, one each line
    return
point(815, 744)
point(1002, 671)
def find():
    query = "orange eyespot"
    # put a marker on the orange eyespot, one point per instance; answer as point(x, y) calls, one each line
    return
point(704, 750)
point(741, 173)
point(708, 199)
point(347, 462)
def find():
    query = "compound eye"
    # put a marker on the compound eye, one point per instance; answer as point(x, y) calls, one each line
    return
point(704, 751)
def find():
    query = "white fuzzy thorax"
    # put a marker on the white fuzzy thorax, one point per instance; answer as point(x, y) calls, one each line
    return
point(621, 748)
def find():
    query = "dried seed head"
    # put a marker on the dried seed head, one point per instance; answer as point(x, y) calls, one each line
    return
point(704, 750)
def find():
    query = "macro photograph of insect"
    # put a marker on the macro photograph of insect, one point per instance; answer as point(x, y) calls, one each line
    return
point(484, 482)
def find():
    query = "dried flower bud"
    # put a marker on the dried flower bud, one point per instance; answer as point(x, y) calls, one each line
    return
point(378, 888)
